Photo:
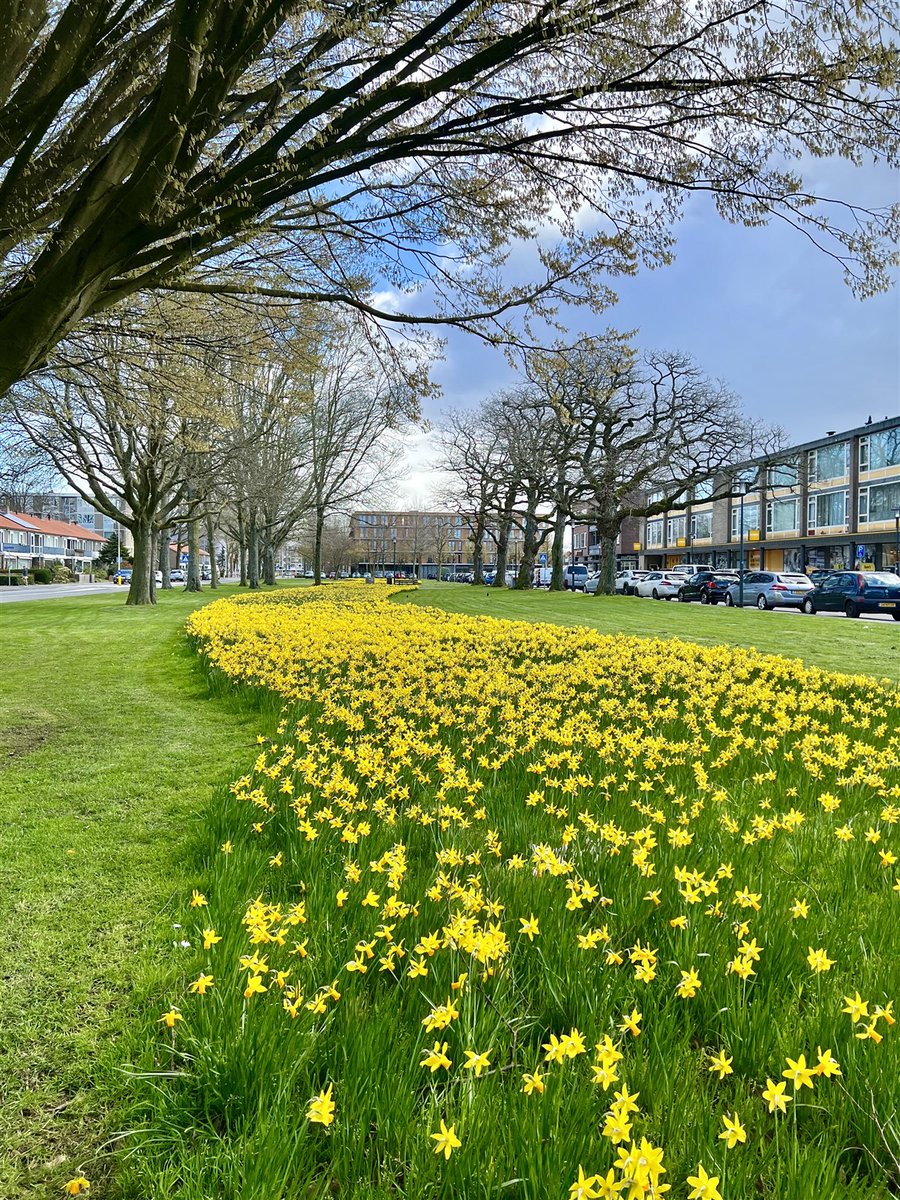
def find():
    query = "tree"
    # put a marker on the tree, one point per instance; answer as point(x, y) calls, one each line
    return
point(132, 413)
point(319, 151)
point(355, 403)
point(471, 448)
point(647, 423)
point(24, 470)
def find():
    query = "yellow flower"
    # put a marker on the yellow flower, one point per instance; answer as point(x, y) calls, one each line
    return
point(201, 984)
point(436, 1057)
point(819, 961)
point(445, 1140)
point(774, 1095)
point(321, 1108)
point(703, 1186)
point(210, 938)
point(631, 1023)
point(529, 927)
point(733, 1132)
point(476, 1062)
point(798, 1073)
point(198, 900)
point(169, 1018)
point(584, 1187)
point(77, 1185)
point(721, 1063)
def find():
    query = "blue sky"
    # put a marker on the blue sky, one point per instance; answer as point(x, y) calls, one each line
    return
point(762, 309)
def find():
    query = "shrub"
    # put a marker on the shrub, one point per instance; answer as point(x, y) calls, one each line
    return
point(42, 575)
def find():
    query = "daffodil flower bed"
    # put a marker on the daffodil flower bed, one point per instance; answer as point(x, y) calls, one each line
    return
point(515, 910)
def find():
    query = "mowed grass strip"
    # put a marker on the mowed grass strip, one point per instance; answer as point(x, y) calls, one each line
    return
point(863, 647)
point(110, 749)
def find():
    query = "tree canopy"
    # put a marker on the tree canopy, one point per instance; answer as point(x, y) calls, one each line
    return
point(327, 150)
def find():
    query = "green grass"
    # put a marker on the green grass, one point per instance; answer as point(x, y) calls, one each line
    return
point(110, 748)
point(658, 780)
point(837, 644)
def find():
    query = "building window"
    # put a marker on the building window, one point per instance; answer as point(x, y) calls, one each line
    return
point(701, 525)
point(781, 516)
point(786, 474)
point(828, 462)
point(703, 490)
point(675, 529)
point(830, 508)
point(879, 503)
point(878, 451)
point(751, 517)
point(654, 533)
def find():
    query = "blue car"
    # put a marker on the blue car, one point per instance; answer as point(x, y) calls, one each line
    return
point(856, 592)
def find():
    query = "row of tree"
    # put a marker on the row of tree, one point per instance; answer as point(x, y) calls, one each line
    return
point(596, 434)
point(169, 415)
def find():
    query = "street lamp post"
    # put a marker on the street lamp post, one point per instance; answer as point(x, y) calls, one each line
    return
point(394, 549)
point(897, 541)
point(741, 488)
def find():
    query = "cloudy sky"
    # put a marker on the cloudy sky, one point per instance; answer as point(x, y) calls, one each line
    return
point(762, 309)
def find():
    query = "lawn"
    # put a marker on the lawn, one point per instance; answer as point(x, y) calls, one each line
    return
point(522, 910)
point(110, 749)
point(115, 762)
point(836, 643)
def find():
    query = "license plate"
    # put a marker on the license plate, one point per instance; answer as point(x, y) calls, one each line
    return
point(887, 604)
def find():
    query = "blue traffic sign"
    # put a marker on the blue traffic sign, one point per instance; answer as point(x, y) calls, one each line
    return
point(543, 560)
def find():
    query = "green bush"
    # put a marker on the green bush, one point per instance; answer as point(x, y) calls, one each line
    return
point(42, 575)
point(11, 579)
point(59, 573)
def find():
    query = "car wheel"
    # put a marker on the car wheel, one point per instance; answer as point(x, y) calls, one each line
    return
point(896, 616)
point(681, 596)
point(704, 599)
point(761, 603)
point(655, 594)
point(729, 600)
point(809, 608)
point(851, 610)
point(713, 602)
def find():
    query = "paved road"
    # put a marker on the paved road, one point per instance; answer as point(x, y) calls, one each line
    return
point(54, 591)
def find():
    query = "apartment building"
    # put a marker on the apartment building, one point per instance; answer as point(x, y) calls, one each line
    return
point(27, 542)
point(830, 503)
point(71, 508)
point(420, 542)
point(586, 545)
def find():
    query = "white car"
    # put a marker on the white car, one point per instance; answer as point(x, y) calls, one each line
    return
point(627, 581)
point(661, 585)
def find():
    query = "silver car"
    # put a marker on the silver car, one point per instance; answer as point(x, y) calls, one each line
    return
point(771, 589)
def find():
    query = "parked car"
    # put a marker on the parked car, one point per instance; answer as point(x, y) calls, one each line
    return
point(158, 578)
point(542, 577)
point(627, 580)
point(575, 577)
point(177, 576)
point(123, 575)
point(855, 592)
point(661, 585)
point(771, 589)
point(592, 583)
point(709, 587)
point(690, 568)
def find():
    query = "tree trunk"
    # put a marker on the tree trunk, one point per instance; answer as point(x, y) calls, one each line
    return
point(317, 547)
point(213, 562)
point(525, 576)
point(141, 589)
point(164, 560)
point(607, 584)
point(179, 546)
point(252, 553)
point(268, 558)
point(502, 552)
point(478, 554)
point(557, 551)
point(194, 582)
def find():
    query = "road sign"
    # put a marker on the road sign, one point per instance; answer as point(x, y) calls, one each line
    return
point(543, 560)
point(861, 553)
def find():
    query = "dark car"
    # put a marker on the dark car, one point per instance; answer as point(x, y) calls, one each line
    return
point(709, 587)
point(855, 592)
